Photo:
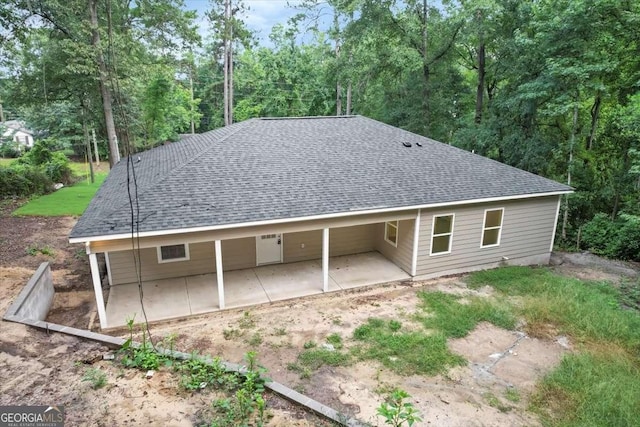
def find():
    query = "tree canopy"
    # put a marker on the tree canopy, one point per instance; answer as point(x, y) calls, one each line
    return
point(548, 86)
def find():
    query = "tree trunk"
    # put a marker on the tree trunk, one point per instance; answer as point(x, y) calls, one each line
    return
point(227, 62)
point(595, 114)
point(348, 111)
point(426, 72)
point(230, 105)
point(87, 144)
point(95, 147)
point(114, 153)
point(1, 113)
point(480, 89)
point(574, 129)
point(193, 123)
point(336, 27)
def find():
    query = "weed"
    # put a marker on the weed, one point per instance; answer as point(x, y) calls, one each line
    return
point(80, 253)
point(255, 339)
point(279, 332)
point(335, 340)
point(309, 344)
point(512, 394)
point(143, 356)
point(96, 377)
point(230, 334)
point(394, 325)
point(198, 374)
point(315, 358)
point(247, 321)
point(396, 411)
point(337, 321)
point(247, 406)
point(34, 250)
point(494, 402)
point(305, 372)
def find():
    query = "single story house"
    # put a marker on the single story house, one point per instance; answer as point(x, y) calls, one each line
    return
point(274, 191)
point(16, 131)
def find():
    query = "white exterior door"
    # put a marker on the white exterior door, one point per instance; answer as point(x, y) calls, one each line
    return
point(268, 249)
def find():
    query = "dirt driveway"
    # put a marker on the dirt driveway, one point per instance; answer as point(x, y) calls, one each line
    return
point(41, 369)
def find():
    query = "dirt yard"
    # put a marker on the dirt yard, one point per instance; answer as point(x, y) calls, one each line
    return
point(47, 369)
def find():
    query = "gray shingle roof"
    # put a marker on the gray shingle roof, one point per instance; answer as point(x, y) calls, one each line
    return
point(267, 169)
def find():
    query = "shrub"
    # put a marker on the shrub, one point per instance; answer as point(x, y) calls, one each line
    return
point(618, 238)
point(22, 181)
point(9, 150)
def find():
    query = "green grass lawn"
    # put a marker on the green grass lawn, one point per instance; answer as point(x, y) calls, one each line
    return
point(64, 202)
point(6, 162)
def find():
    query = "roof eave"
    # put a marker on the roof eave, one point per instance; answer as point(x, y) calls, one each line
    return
point(311, 218)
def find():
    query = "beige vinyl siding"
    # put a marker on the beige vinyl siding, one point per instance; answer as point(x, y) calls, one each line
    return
point(238, 254)
point(400, 255)
point(342, 241)
point(352, 240)
point(293, 250)
point(527, 230)
point(201, 261)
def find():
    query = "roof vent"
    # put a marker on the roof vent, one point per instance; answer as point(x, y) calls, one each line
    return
point(406, 144)
point(418, 144)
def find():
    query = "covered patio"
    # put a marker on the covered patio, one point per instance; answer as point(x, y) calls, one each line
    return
point(179, 297)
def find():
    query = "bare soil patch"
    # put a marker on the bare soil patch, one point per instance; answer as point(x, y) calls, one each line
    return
point(41, 369)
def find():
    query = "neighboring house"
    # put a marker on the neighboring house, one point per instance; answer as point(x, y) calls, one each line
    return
point(15, 130)
point(293, 189)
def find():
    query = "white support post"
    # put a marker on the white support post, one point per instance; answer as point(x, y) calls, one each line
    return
point(97, 288)
point(325, 260)
point(219, 275)
point(106, 259)
point(555, 224)
point(416, 239)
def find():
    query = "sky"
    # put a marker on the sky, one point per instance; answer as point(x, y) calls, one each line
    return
point(261, 16)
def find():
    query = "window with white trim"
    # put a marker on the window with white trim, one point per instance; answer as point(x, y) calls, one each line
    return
point(172, 253)
point(492, 229)
point(441, 234)
point(391, 232)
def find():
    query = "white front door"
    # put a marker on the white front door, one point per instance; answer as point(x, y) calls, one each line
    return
point(268, 249)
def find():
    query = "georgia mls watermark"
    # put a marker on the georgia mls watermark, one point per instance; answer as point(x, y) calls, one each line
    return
point(31, 416)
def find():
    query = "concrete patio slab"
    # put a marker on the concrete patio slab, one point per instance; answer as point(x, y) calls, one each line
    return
point(166, 299)
point(185, 296)
point(123, 304)
point(300, 279)
point(203, 293)
point(242, 288)
point(353, 271)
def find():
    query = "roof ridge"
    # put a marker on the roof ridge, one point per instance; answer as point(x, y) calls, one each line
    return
point(186, 162)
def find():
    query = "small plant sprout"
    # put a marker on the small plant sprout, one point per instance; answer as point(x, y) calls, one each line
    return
point(95, 377)
point(396, 411)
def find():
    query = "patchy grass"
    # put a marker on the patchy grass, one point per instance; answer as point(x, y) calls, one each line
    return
point(587, 311)
point(6, 162)
point(425, 351)
point(67, 201)
point(600, 384)
point(445, 313)
point(315, 358)
point(406, 353)
point(590, 390)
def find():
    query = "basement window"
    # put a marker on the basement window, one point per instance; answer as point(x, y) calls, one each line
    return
point(391, 232)
point(172, 253)
point(492, 229)
point(441, 234)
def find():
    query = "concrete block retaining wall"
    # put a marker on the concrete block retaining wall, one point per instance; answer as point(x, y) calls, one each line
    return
point(35, 299)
